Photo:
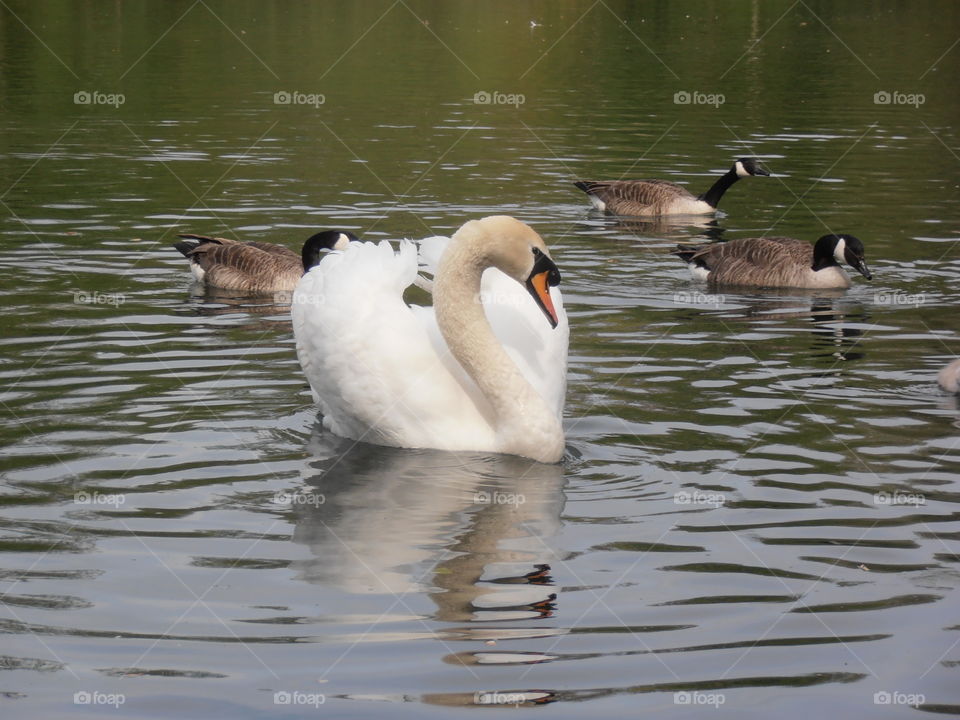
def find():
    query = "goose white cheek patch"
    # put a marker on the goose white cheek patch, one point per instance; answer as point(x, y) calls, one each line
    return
point(839, 252)
point(342, 243)
point(741, 170)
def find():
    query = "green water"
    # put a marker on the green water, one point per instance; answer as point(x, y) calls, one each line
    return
point(722, 525)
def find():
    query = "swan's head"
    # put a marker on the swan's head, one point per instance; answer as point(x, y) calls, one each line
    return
point(745, 167)
point(517, 250)
point(315, 246)
point(841, 249)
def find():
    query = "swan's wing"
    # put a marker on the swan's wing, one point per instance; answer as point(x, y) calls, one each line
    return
point(430, 251)
point(372, 364)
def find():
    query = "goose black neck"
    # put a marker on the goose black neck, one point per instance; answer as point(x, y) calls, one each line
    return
point(713, 195)
point(309, 256)
point(822, 260)
point(823, 263)
point(312, 250)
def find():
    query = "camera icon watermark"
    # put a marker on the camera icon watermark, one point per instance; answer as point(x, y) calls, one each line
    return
point(94, 697)
point(899, 498)
point(95, 97)
point(698, 497)
point(81, 297)
point(695, 97)
point(286, 697)
point(302, 498)
point(495, 497)
point(699, 698)
point(482, 97)
point(885, 697)
point(884, 97)
point(296, 97)
point(83, 497)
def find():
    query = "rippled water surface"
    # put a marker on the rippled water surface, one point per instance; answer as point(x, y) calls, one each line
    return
point(758, 509)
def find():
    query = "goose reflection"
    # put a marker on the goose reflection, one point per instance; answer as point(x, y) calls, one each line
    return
point(678, 227)
point(837, 322)
point(470, 530)
point(209, 301)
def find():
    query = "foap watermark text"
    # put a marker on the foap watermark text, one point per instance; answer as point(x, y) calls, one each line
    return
point(495, 497)
point(95, 97)
point(81, 297)
point(698, 298)
point(895, 97)
point(94, 697)
point(294, 697)
point(301, 498)
point(898, 497)
point(899, 298)
point(699, 698)
point(885, 697)
point(296, 97)
point(695, 97)
point(482, 97)
point(698, 497)
point(84, 497)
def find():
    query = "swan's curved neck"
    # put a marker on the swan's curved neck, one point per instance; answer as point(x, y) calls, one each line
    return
point(471, 340)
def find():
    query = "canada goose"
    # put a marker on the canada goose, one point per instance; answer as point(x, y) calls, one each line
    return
point(949, 378)
point(777, 262)
point(661, 197)
point(483, 369)
point(255, 267)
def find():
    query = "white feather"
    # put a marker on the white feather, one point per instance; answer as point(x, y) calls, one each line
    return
point(699, 272)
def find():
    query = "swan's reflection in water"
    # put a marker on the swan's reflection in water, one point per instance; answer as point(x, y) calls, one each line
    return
point(469, 530)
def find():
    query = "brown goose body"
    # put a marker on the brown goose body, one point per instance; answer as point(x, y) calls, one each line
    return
point(777, 262)
point(650, 198)
point(255, 267)
point(643, 198)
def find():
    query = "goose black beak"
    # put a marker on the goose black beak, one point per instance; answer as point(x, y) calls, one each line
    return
point(860, 265)
point(542, 277)
point(761, 171)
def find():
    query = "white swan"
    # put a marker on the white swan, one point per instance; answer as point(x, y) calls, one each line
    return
point(484, 369)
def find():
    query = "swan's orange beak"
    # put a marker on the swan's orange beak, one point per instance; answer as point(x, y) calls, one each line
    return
point(539, 287)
